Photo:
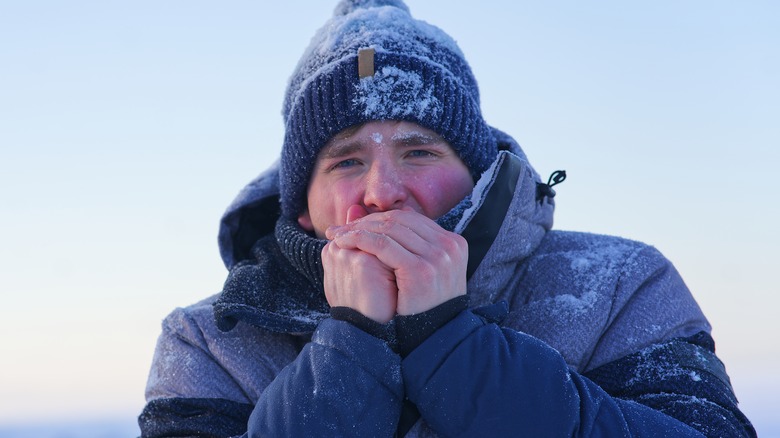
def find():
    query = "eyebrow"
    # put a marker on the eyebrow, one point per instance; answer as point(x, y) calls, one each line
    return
point(416, 138)
point(341, 149)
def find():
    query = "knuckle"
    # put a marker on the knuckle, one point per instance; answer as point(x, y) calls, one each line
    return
point(386, 226)
point(456, 243)
point(392, 214)
point(381, 241)
point(425, 269)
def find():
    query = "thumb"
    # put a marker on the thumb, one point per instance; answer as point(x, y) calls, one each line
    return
point(355, 212)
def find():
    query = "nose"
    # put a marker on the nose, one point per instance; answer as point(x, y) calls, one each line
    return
point(384, 188)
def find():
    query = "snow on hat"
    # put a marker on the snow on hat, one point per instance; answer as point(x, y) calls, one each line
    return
point(373, 61)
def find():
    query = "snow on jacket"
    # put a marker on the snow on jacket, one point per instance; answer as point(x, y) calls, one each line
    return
point(568, 334)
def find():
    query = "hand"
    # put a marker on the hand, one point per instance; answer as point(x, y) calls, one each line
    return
point(426, 262)
point(358, 280)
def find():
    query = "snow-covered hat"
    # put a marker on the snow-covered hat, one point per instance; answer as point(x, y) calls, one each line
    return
point(373, 61)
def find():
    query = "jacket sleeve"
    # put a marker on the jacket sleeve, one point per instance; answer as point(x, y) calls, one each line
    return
point(345, 382)
point(681, 378)
point(192, 389)
point(208, 384)
point(473, 378)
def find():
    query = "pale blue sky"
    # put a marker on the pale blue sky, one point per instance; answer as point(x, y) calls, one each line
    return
point(126, 128)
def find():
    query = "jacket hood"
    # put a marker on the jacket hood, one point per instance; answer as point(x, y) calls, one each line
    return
point(255, 210)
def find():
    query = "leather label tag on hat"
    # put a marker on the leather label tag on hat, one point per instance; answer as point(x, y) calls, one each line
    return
point(366, 63)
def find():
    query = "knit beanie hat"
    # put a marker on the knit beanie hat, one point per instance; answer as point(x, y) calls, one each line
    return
point(373, 61)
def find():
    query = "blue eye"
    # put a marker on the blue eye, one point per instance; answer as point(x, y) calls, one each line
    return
point(346, 163)
point(420, 153)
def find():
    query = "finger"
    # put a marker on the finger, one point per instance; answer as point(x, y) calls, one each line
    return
point(387, 250)
point(408, 238)
point(407, 219)
point(360, 281)
point(413, 231)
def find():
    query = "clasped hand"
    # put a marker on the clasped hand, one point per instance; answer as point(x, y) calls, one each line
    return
point(393, 262)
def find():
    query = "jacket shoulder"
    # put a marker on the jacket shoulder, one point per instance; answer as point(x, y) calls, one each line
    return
point(597, 263)
point(586, 264)
point(557, 241)
point(596, 298)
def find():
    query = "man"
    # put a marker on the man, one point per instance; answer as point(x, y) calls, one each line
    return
point(397, 275)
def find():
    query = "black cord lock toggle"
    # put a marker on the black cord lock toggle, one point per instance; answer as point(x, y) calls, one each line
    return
point(546, 190)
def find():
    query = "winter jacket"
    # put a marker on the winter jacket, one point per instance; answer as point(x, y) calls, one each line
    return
point(567, 334)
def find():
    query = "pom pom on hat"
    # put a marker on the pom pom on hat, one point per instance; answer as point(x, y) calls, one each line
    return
point(347, 6)
point(373, 61)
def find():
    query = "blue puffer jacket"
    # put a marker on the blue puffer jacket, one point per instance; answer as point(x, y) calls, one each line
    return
point(568, 334)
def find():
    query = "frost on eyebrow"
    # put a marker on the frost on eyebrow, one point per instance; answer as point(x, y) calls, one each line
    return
point(416, 137)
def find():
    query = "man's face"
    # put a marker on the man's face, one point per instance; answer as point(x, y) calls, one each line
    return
point(380, 166)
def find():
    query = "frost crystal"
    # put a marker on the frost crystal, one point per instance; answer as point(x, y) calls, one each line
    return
point(393, 93)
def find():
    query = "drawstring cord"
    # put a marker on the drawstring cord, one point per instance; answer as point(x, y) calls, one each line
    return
point(546, 190)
